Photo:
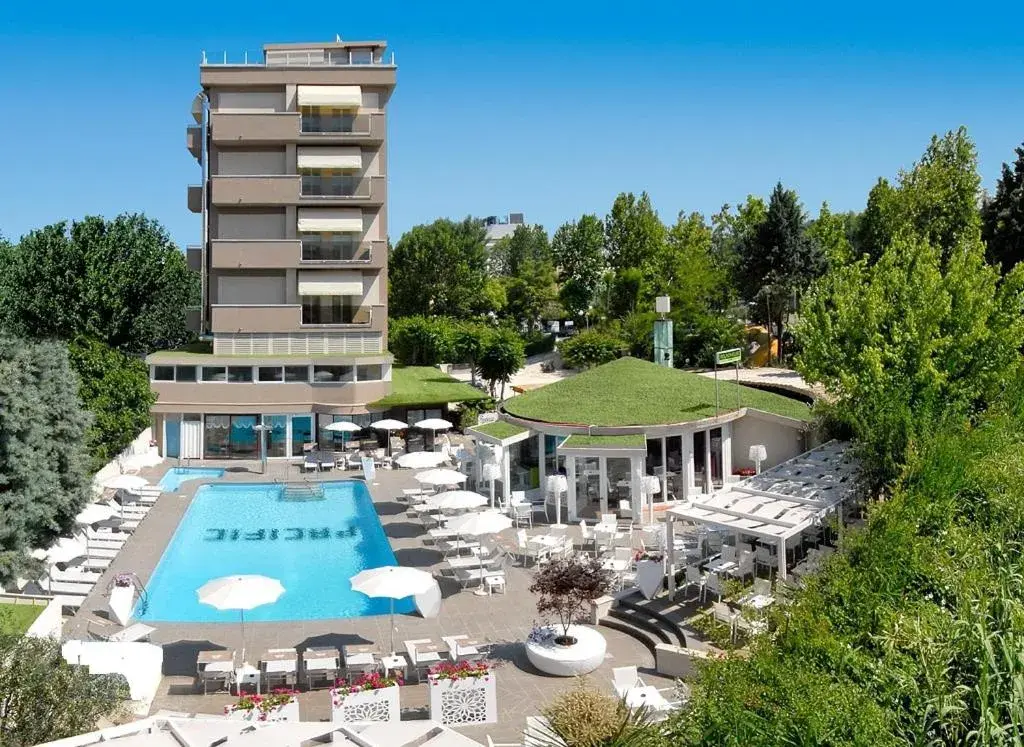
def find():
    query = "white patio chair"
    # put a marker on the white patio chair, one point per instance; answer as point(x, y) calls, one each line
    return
point(713, 584)
point(587, 536)
point(626, 509)
point(723, 613)
point(744, 565)
point(694, 578)
point(625, 679)
point(763, 558)
point(762, 587)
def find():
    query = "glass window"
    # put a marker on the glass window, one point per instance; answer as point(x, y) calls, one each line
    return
point(185, 373)
point(277, 444)
point(163, 373)
point(302, 433)
point(332, 374)
point(192, 417)
point(370, 372)
point(215, 373)
point(239, 374)
point(271, 373)
point(217, 435)
point(362, 56)
point(296, 374)
point(231, 437)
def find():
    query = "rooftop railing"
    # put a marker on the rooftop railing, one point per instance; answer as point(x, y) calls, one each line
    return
point(308, 58)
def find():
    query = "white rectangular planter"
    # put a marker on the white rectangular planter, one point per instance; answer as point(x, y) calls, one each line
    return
point(365, 705)
point(473, 700)
point(286, 712)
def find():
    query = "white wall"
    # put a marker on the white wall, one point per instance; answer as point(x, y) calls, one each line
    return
point(251, 289)
point(248, 101)
point(140, 663)
point(250, 162)
point(269, 225)
point(782, 442)
point(49, 622)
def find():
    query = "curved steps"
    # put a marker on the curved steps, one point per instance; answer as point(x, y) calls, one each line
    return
point(663, 622)
point(628, 629)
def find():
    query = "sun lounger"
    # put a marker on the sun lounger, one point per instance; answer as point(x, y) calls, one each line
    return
point(455, 546)
point(131, 634)
point(69, 600)
point(63, 587)
point(95, 563)
point(101, 552)
point(467, 576)
point(75, 576)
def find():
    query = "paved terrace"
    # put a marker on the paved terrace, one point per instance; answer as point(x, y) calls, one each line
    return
point(504, 619)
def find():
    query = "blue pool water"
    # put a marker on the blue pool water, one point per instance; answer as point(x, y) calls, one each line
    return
point(175, 476)
point(313, 547)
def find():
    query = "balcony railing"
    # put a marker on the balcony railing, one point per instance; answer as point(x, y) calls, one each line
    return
point(316, 185)
point(317, 250)
point(348, 124)
point(310, 58)
point(320, 315)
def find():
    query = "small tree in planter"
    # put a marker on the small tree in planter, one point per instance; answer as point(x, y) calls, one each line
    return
point(566, 587)
point(278, 705)
point(369, 697)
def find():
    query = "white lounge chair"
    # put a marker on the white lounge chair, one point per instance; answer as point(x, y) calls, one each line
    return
point(131, 634)
point(625, 679)
point(95, 563)
point(78, 576)
point(467, 576)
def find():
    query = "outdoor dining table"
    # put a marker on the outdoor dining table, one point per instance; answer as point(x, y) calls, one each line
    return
point(546, 540)
point(646, 697)
point(722, 566)
point(616, 565)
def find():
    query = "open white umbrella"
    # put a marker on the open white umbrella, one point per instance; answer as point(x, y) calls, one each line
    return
point(94, 512)
point(389, 424)
point(477, 525)
point(557, 484)
point(433, 425)
point(392, 582)
point(419, 459)
point(240, 593)
point(342, 427)
point(440, 477)
point(125, 482)
point(457, 500)
point(139, 461)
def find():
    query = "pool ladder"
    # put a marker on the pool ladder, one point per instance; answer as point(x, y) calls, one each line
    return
point(303, 492)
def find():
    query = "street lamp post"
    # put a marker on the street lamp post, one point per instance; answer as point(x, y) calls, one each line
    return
point(262, 429)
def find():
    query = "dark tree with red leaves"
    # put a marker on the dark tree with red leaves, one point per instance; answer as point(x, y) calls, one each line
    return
point(567, 586)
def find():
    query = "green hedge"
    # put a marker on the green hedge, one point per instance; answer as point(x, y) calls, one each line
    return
point(591, 348)
point(538, 343)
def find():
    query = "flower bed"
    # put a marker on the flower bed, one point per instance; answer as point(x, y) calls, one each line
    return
point(278, 705)
point(463, 693)
point(369, 697)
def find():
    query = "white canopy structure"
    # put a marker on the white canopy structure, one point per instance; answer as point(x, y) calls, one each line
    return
point(780, 503)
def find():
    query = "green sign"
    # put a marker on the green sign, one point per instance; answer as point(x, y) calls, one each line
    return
point(728, 357)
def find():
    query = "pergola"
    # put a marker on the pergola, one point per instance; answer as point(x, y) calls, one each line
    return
point(781, 503)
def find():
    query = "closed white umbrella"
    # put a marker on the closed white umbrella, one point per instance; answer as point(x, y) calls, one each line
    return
point(126, 482)
point(477, 525)
point(491, 472)
point(457, 500)
point(557, 484)
point(649, 485)
point(440, 477)
point(240, 593)
point(392, 582)
point(94, 512)
point(433, 425)
point(420, 459)
point(389, 424)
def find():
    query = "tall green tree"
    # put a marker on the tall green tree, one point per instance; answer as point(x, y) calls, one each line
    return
point(829, 231)
point(1002, 217)
point(44, 481)
point(441, 269)
point(578, 249)
point(511, 253)
point(120, 281)
point(729, 232)
point(779, 260)
point(524, 261)
point(633, 232)
point(43, 698)
point(115, 389)
point(684, 268)
point(502, 355)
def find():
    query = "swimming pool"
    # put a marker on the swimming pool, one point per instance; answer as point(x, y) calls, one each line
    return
point(175, 476)
point(313, 547)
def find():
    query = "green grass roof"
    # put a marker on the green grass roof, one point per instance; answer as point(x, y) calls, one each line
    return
point(499, 429)
point(629, 391)
point(583, 441)
point(425, 385)
point(15, 619)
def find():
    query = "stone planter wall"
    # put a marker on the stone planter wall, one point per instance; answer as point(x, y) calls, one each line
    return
point(365, 705)
point(286, 712)
point(473, 700)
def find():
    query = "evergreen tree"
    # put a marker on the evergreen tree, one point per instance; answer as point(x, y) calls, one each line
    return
point(578, 249)
point(1003, 217)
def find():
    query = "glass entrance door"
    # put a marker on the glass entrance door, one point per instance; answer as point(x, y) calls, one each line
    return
point(302, 432)
point(172, 436)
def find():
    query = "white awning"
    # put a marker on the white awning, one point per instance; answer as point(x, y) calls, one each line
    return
point(342, 97)
point(322, 283)
point(322, 220)
point(347, 159)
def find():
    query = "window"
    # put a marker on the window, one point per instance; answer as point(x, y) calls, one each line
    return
point(271, 373)
point(215, 373)
point(325, 184)
point(362, 57)
point(231, 437)
point(327, 119)
point(332, 374)
point(296, 374)
point(370, 372)
point(163, 373)
point(331, 310)
point(239, 374)
point(185, 373)
point(330, 247)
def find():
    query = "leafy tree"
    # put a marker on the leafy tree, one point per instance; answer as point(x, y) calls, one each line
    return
point(116, 390)
point(878, 222)
point(729, 232)
point(779, 260)
point(439, 269)
point(122, 282)
point(578, 249)
point(1003, 217)
point(532, 293)
point(501, 357)
point(829, 231)
point(512, 252)
point(625, 292)
point(633, 232)
point(467, 344)
point(591, 347)
point(43, 458)
point(566, 586)
point(43, 698)
point(421, 341)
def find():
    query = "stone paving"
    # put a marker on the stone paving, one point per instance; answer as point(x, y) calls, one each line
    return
point(503, 619)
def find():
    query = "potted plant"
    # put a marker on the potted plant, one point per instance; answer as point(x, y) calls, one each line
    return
point(369, 697)
point(463, 692)
point(121, 598)
point(566, 588)
point(650, 572)
point(278, 705)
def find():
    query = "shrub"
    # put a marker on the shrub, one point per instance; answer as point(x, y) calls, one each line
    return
point(590, 348)
point(538, 343)
point(584, 716)
point(420, 340)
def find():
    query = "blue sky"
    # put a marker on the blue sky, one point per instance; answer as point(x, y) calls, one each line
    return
point(546, 108)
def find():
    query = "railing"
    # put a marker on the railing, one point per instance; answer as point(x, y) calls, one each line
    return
point(312, 317)
point(316, 185)
point(310, 58)
point(319, 251)
point(348, 124)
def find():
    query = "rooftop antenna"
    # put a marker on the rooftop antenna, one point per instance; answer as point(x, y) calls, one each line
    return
point(337, 38)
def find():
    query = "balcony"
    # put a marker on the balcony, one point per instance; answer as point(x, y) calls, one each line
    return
point(367, 254)
point(276, 254)
point(287, 318)
point(286, 189)
point(194, 257)
point(343, 128)
point(194, 141)
point(321, 189)
point(195, 198)
point(265, 128)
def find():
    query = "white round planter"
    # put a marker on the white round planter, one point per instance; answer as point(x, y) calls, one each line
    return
point(584, 656)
